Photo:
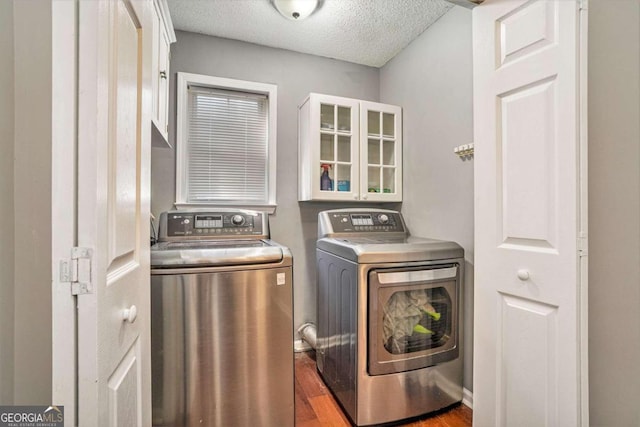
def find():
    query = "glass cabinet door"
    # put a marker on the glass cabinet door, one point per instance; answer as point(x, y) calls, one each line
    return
point(381, 152)
point(338, 144)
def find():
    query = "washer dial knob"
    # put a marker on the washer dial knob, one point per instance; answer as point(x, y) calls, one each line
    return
point(383, 218)
point(237, 220)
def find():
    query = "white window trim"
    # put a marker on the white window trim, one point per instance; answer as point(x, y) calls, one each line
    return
point(270, 90)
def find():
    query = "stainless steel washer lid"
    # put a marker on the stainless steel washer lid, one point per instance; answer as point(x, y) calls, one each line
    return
point(217, 253)
point(380, 249)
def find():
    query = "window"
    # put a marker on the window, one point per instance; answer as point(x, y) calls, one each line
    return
point(226, 142)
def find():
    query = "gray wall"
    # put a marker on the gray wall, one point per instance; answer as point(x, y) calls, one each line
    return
point(432, 80)
point(294, 224)
point(6, 207)
point(32, 203)
point(614, 212)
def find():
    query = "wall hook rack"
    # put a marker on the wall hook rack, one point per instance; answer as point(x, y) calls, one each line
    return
point(465, 152)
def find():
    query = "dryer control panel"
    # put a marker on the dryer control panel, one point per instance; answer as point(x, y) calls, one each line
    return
point(361, 221)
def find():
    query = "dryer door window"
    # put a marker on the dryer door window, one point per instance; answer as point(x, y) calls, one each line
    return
point(416, 320)
point(412, 318)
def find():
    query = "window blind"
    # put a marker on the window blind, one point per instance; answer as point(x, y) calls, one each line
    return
point(227, 153)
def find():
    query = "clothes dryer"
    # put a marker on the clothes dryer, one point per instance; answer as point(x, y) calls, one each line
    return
point(388, 334)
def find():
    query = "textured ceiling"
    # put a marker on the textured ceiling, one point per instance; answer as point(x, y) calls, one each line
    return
point(368, 32)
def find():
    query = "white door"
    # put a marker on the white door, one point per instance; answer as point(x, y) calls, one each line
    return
point(114, 104)
point(530, 299)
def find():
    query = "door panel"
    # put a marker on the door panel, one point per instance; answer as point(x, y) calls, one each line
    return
point(528, 223)
point(526, 147)
point(525, 30)
point(124, 391)
point(528, 339)
point(114, 384)
point(124, 138)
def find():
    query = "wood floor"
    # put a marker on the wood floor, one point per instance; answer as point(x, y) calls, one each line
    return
point(315, 405)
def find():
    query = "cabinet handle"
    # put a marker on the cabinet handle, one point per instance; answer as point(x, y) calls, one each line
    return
point(523, 275)
point(163, 74)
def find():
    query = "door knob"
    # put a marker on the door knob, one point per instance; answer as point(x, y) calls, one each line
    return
point(523, 274)
point(130, 314)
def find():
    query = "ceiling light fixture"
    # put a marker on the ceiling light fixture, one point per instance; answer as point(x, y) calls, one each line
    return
point(295, 10)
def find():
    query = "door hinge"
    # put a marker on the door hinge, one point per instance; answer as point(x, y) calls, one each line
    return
point(583, 245)
point(583, 5)
point(77, 271)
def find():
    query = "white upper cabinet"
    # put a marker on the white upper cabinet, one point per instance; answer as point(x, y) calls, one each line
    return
point(163, 36)
point(349, 150)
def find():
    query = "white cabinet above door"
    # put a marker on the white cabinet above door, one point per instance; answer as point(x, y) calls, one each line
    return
point(349, 150)
point(163, 36)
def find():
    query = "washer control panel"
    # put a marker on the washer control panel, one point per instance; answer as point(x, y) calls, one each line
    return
point(211, 224)
point(365, 222)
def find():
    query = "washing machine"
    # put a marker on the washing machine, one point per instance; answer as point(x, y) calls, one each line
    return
point(389, 319)
point(221, 322)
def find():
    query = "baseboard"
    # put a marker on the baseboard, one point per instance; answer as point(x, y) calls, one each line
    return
point(300, 346)
point(467, 398)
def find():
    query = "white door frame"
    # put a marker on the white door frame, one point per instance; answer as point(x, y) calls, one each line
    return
point(63, 203)
point(583, 210)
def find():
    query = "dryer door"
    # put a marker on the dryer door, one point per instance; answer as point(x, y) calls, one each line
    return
point(413, 317)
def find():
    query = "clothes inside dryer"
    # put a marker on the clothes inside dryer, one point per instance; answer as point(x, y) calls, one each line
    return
point(416, 320)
